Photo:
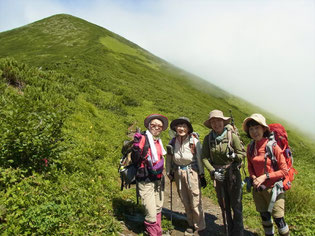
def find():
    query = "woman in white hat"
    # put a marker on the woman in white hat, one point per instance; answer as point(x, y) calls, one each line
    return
point(148, 149)
point(222, 155)
point(185, 166)
point(264, 176)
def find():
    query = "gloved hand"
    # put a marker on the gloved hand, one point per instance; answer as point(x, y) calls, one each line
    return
point(219, 176)
point(203, 182)
point(136, 139)
point(231, 155)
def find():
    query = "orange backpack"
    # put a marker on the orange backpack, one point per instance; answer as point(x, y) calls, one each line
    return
point(281, 138)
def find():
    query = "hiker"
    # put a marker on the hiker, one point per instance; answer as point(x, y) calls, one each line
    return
point(149, 175)
point(186, 168)
point(222, 156)
point(263, 175)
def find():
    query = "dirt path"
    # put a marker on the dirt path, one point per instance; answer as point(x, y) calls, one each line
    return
point(214, 222)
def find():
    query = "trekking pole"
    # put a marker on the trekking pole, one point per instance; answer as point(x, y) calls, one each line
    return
point(170, 152)
point(232, 118)
point(223, 209)
point(137, 192)
point(171, 183)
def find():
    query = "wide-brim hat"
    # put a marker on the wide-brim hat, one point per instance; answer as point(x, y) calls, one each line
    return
point(160, 117)
point(216, 114)
point(182, 120)
point(259, 118)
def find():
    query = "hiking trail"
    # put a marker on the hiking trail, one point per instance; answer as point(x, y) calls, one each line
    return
point(213, 216)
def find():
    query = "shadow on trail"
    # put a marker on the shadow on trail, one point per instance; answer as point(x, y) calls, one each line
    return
point(180, 223)
point(212, 228)
point(133, 216)
point(130, 213)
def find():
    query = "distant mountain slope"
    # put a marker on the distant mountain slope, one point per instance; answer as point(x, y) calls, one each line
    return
point(106, 84)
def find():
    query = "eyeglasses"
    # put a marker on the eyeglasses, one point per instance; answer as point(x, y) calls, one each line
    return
point(154, 126)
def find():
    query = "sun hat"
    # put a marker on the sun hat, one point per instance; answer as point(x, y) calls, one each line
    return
point(259, 118)
point(182, 120)
point(216, 114)
point(160, 117)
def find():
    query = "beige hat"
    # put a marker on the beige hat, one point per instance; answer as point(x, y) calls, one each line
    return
point(216, 114)
point(259, 118)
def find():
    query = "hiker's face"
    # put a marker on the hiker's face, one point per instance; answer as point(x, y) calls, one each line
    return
point(181, 130)
point(256, 132)
point(156, 127)
point(217, 125)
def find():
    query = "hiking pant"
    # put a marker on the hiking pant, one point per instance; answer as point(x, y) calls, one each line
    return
point(230, 191)
point(262, 201)
point(152, 196)
point(188, 188)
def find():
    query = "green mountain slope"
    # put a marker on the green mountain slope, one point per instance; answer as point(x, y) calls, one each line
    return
point(69, 91)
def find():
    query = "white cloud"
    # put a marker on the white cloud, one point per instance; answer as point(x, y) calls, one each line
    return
point(263, 51)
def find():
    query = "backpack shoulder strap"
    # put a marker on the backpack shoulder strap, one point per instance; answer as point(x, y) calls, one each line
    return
point(172, 142)
point(146, 146)
point(270, 146)
point(211, 142)
point(230, 140)
point(251, 148)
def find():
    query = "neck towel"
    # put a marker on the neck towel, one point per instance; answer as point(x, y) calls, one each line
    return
point(219, 138)
point(155, 157)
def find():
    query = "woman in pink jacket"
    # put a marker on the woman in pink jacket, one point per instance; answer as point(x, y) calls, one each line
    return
point(266, 178)
point(149, 151)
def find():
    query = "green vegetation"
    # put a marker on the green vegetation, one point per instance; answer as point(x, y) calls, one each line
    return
point(69, 91)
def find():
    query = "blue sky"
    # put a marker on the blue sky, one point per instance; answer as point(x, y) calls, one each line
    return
point(262, 51)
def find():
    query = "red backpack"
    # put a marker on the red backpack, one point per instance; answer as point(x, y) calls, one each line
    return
point(280, 136)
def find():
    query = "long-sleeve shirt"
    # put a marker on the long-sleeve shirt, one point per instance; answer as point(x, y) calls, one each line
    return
point(183, 155)
point(256, 163)
point(216, 154)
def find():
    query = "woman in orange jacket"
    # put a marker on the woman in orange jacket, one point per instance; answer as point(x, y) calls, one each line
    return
point(267, 192)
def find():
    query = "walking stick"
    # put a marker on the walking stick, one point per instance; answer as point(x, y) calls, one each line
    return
point(170, 152)
point(223, 209)
point(137, 192)
point(171, 183)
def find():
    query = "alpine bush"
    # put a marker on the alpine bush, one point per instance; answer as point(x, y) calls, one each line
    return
point(66, 105)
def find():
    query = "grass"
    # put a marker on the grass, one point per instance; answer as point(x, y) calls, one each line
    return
point(99, 84)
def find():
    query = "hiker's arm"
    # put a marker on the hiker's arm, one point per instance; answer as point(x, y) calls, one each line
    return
point(198, 156)
point(240, 153)
point(282, 165)
point(205, 154)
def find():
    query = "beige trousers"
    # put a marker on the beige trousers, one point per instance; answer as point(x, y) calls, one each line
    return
point(187, 183)
point(152, 197)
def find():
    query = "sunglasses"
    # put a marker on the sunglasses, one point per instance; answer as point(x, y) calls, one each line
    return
point(155, 126)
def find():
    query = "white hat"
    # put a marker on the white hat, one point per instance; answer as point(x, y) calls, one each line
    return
point(259, 118)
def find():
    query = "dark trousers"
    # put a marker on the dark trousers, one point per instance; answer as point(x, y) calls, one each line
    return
point(230, 191)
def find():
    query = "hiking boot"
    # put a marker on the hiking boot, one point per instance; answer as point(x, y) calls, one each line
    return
point(202, 232)
point(189, 230)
